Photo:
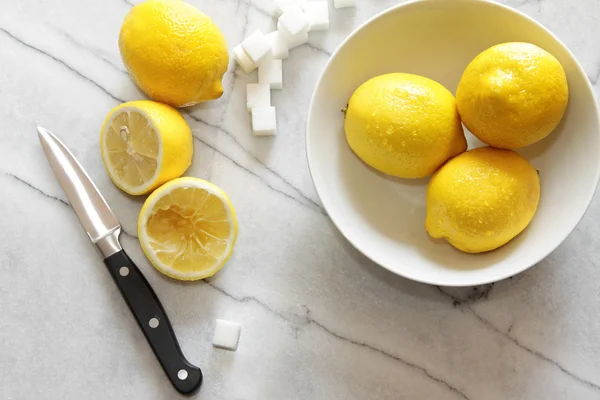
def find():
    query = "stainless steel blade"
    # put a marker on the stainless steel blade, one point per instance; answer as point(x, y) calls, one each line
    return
point(96, 217)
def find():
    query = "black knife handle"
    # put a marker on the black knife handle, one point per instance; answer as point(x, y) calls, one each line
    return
point(152, 319)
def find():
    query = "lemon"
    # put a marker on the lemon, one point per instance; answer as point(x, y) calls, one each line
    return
point(174, 52)
point(187, 228)
point(144, 144)
point(482, 199)
point(512, 95)
point(404, 125)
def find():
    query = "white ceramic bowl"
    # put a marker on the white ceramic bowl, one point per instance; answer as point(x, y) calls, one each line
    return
point(384, 217)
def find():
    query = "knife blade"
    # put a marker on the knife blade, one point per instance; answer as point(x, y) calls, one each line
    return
point(96, 217)
point(103, 228)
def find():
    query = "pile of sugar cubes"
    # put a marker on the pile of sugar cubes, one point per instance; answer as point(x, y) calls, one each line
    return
point(295, 19)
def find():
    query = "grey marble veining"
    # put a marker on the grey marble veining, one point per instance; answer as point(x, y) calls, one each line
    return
point(319, 321)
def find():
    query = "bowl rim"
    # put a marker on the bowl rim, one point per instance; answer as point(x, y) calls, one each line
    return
point(493, 277)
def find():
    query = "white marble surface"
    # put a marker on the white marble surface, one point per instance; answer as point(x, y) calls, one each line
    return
point(319, 320)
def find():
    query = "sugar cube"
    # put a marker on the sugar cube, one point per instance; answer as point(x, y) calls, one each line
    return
point(317, 13)
point(243, 59)
point(258, 95)
point(264, 121)
point(226, 335)
point(279, 46)
point(256, 46)
point(344, 3)
point(293, 21)
point(270, 71)
point(295, 40)
point(281, 6)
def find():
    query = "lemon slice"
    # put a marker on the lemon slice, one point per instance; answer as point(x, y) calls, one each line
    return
point(187, 228)
point(145, 144)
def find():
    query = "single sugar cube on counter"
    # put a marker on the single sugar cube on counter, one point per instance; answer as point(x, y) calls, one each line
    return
point(293, 21)
point(256, 46)
point(270, 71)
point(317, 13)
point(227, 334)
point(279, 46)
point(344, 3)
point(281, 6)
point(258, 95)
point(243, 59)
point(295, 40)
point(264, 121)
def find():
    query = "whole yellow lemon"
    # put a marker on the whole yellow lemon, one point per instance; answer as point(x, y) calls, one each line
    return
point(404, 125)
point(174, 52)
point(512, 95)
point(482, 199)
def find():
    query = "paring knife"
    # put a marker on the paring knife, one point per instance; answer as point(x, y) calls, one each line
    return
point(103, 230)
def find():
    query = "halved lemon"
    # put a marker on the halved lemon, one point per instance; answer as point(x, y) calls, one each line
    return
point(145, 144)
point(187, 228)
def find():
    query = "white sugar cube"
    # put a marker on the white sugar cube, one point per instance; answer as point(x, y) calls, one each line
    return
point(243, 60)
point(295, 40)
point(344, 3)
point(293, 21)
point(256, 46)
point(227, 334)
point(281, 6)
point(264, 121)
point(270, 71)
point(317, 13)
point(279, 46)
point(258, 95)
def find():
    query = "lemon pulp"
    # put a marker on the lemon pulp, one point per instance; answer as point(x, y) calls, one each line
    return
point(145, 144)
point(188, 228)
point(132, 148)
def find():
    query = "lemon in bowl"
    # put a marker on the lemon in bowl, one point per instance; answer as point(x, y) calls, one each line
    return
point(512, 95)
point(384, 217)
point(404, 125)
point(482, 199)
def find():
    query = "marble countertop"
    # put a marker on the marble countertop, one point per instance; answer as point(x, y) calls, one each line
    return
point(319, 321)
